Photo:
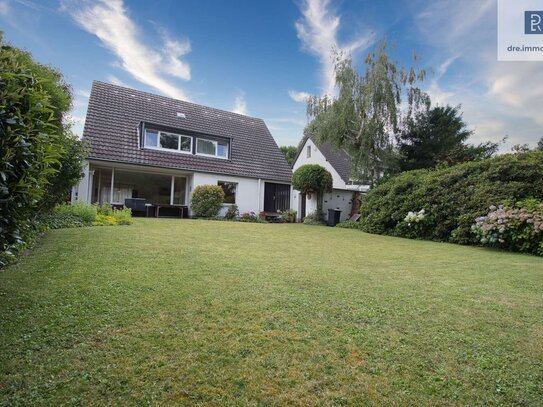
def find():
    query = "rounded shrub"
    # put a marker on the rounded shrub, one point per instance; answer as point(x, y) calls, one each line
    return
point(451, 197)
point(207, 200)
point(313, 178)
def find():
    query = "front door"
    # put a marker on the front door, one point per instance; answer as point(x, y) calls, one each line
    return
point(276, 197)
point(302, 206)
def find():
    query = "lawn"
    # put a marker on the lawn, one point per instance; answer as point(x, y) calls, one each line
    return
point(189, 312)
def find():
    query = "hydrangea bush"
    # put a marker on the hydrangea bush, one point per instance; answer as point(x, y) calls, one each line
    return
point(518, 228)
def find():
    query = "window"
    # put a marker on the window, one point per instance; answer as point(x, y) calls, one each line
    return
point(151, 138)
point(168, 141)
point(229, 189)
point(211, 147)
point(308, 151)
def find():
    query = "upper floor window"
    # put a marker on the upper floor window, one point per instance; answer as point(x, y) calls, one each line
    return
point(168, 141)
point(308, 149)
point(212, 148)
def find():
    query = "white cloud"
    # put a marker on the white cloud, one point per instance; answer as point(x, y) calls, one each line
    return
point(116, 81)
point(110, 22)
point(4, 7)
point(318, 32)
point(518, 85)
point(83, 93)
point(497, 98)
point(299, 96)
point(240, 105)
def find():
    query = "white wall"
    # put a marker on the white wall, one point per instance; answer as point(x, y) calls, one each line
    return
point(318, 158)
point(247, 190)
point(81, 192)
point(340, 198)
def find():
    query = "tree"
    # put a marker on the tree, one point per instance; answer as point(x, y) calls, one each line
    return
point(290, 153)
point(313, 178)
point(540, 144)
point(36, 145)
point(367, 112)
point(439, 135)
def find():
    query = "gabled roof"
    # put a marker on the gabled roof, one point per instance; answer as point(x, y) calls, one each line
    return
point(115, 113)
point(338, 158)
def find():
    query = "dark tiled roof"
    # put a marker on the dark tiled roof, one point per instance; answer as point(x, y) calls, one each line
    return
point(338, 158)
point(115, 112)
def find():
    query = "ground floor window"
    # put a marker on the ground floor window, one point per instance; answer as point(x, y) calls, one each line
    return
point(229, 189)
point(154, 188)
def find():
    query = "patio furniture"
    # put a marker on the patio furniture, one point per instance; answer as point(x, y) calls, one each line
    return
point(176, 209)
point(137, 205)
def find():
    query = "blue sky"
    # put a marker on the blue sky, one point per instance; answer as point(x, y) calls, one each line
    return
point(262, 57)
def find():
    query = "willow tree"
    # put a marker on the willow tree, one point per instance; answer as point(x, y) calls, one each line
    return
point(369, 110)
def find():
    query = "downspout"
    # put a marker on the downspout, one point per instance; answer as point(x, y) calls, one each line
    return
point(259, 194)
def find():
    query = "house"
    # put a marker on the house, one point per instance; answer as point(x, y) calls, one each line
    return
point(155, 150)
point(346, 191)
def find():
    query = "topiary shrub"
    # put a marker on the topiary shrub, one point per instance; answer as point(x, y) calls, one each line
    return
point(452, 197)
point(312, 178)
point(207, 201)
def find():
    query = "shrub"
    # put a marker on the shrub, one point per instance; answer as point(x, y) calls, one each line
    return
point(104, 220)
point(289, 216)
point(518, 228)
point(348, 224)
point(232, 212)
point(61, 220)
point(122, 216)
point(312, 178)
point(207, 200)
point(452, 197)
point(250, 217)
point(35, 145)
point(314, 218)
point(85, 212)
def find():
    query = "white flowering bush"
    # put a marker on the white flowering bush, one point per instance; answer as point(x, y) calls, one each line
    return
point(414, 217)
point(517, 228)
point(414, 225)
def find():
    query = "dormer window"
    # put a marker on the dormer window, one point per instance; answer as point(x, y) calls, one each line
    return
point(162, 140)
point(212, 148)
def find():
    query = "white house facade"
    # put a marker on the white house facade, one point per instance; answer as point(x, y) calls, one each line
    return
point(150, 152)
point(338, 163)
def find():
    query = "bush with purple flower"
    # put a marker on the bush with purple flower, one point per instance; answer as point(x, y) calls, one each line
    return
point(516, 228)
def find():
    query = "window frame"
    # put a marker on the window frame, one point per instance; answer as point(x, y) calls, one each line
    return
point(308, 151)
point(235, 191)
point(179, 143)
point(216, 144)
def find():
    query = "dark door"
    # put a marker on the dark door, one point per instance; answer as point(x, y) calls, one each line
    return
point(276, 197)
point(302, 207)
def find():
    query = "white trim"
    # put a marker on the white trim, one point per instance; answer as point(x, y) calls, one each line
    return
point(172, 187)
point(158, 147)
point(112, 183)
point(215, 143)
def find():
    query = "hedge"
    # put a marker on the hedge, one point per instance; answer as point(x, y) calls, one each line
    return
point(452, 197)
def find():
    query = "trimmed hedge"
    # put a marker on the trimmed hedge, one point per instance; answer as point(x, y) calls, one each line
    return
point(207, 201)
point(452, 197)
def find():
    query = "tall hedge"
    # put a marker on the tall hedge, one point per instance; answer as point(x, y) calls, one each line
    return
point(452, 197)
point(40, 159)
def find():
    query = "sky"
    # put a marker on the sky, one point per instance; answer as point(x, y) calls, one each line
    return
point(263, 58)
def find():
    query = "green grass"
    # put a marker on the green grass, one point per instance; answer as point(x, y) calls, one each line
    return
point(190, 312)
